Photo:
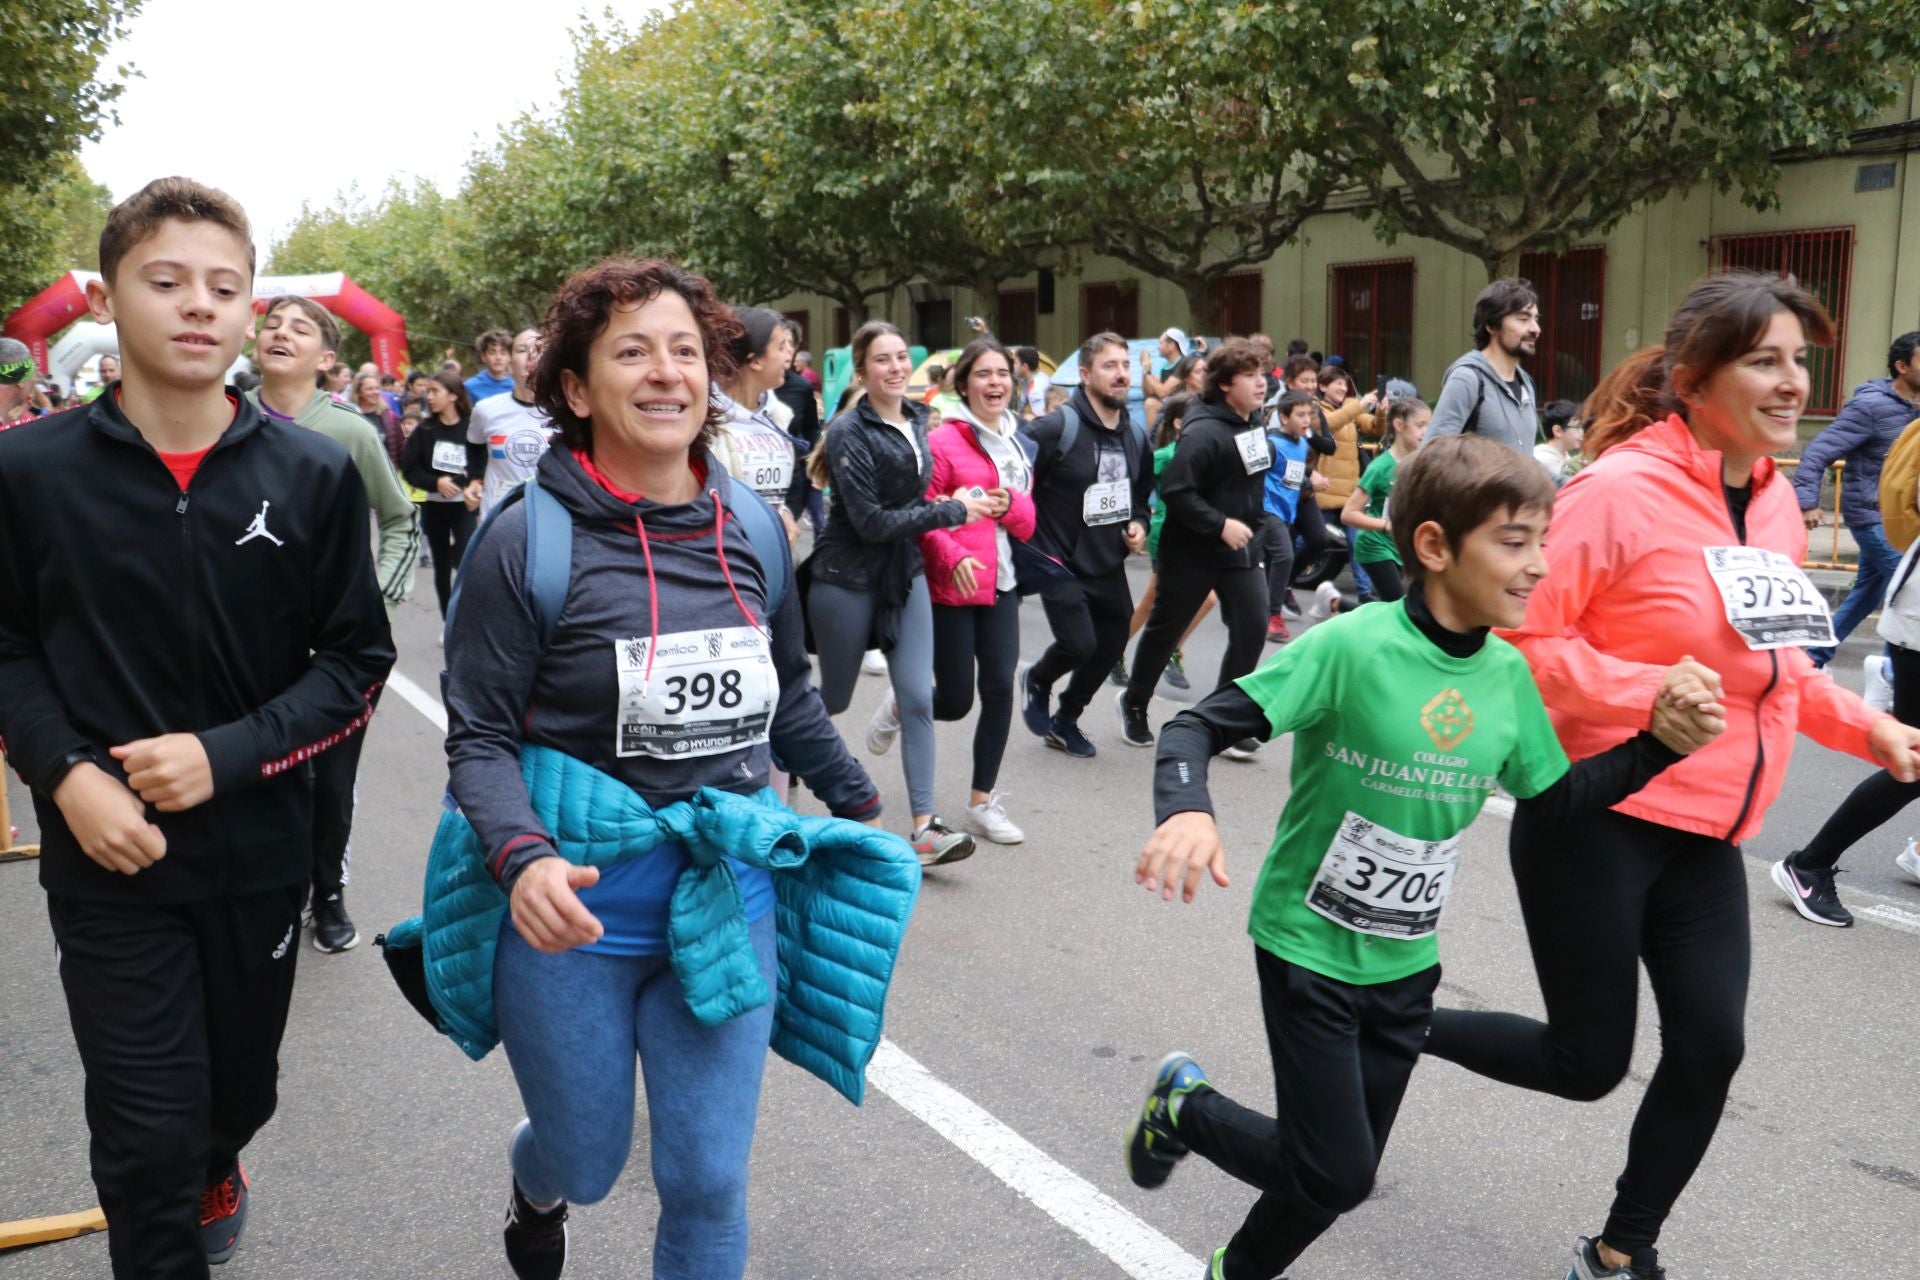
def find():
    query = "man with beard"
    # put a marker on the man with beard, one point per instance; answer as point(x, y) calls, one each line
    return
point(1092, 476)
point(1486, 391)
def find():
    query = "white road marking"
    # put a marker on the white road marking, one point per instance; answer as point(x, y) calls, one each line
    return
point(1893, 917)
point(1050, 1186)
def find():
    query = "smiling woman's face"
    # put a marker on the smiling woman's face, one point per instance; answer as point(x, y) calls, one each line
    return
point(645, 387)
point(1752, 406)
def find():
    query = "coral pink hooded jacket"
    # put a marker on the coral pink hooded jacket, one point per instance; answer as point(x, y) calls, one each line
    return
point(1628, 594)
point(960, 462)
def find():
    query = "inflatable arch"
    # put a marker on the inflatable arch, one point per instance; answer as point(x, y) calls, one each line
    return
point(65, 300)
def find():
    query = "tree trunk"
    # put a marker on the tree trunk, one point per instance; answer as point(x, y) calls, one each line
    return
point(1199, 291)
point(1501, 264)
point(986, 301)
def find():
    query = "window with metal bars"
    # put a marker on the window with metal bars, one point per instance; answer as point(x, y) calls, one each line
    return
point(1572, 288)
point(1822, 262)
point(1371, 320)
point(1235, 303)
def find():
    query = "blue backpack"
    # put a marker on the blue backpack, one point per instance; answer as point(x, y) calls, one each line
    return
point(550, 552)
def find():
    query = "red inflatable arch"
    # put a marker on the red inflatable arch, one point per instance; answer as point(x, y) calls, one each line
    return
point(65, 300)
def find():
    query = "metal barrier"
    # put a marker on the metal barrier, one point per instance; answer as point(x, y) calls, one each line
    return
point(1833, 560)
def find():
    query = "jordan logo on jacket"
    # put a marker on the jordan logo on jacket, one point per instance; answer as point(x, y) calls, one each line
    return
point(258, 529)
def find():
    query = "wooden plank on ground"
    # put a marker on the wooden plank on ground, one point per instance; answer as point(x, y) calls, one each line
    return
point(65, 1226)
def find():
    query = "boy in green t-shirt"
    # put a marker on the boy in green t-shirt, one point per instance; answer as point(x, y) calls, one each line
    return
point(1404, 717)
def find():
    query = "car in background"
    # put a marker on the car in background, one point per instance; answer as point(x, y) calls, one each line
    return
point(1068, 374)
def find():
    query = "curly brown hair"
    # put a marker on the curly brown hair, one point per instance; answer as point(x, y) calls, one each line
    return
point(583, 307)
point(1226, 362)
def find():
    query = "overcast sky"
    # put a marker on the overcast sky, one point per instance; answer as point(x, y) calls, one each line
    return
point(280, 104)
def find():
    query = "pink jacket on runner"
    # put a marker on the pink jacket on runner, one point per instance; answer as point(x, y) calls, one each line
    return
point(1628, 594)
point(959, 462)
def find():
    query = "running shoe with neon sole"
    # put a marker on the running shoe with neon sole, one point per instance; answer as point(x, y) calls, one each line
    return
point(1118, 676)
point(1176, 673)
point(937, 844)
point(1908, 860)
point(1217, 1266)
point(223, 1215)
point(1152, 1147)
point(1811, 892)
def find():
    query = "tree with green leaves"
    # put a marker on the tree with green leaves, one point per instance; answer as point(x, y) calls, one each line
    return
point(1502, 128)
point(1141, 131)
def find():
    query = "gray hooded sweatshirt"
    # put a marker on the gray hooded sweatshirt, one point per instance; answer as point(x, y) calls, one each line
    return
point(1472, 380)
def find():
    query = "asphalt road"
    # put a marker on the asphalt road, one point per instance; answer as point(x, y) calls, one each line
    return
point(1040, 984)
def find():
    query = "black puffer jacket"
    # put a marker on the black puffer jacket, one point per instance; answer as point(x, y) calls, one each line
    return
point(879, 494)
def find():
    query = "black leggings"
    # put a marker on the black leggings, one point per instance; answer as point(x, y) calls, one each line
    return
point(986, 638)
point(1276, 544)
point(447, 526)
point(1385, 575)
point(1599, 898)
point(1310, 524)
point(1880, 795)
point(1341, 1058)
point(1179, 592)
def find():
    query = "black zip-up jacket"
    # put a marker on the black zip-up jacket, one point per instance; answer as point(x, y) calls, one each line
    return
point(1060, 486)
point(1207, 483)
point(416, 460)
point(880, 505)
point(243, 610)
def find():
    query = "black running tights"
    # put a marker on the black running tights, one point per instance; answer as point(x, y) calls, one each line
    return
point(446, 526)
point(1599, 898)
point(986, 639)
point(1880, 795)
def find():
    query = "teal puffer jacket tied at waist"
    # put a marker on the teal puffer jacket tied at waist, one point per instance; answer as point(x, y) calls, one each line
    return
point(843, 893)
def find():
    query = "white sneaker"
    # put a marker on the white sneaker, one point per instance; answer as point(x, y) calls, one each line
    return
point(989, 821)
point(884, 727)
point(874, 664)
point(1909, 860)
point(1878, 682)
point(1326, 598)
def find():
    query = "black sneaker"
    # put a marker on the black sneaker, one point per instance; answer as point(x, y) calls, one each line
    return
point(1152, 1146)
point(1033, 705)
point(1118, 676)
point(1065, 735)
point(1811, 892)
point(333, 930)
point(1134, 728)
point(1245, 749)
point(536, 1241)
point(223, 1215)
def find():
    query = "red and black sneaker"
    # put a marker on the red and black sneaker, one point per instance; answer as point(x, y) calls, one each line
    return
point(223, 1215)
point(1277, 630)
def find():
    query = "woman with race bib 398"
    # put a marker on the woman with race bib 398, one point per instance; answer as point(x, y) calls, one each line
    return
point(1678, 547)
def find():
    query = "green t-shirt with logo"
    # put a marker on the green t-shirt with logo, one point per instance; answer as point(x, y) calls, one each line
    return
point(1371, 546)
point(1396, 746)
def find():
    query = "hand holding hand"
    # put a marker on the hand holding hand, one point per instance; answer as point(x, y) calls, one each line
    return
point(108, 820)
point(963, 580)
point(1235, 534)
point(1178, 851)
point(1896, 747)
point(1003, 501)
point(546, 909)
point(446, 487)
point(1687, 729)
point(169, 772)
point(1689, 684)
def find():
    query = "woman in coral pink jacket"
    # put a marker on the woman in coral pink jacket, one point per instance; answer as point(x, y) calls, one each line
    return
point(1681, 542)
point(976, 611)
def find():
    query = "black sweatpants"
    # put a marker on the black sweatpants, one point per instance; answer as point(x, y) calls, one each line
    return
point(1880, 795)
point(1089, 617)
point(1181, 590)
point(986, 639)
point(1342, 1055)
point(177, 1012)
point(1310, 524)
point(1276, 547)
point(447, 526)
point(1385, 576)
point(334, 771)
point(1598, 898)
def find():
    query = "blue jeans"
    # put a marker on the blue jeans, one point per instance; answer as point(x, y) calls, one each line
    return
point(1878, 561)
point(571, 1024)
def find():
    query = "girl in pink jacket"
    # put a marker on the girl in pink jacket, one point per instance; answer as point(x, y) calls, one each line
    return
point(1678, 548)
point(970, 573)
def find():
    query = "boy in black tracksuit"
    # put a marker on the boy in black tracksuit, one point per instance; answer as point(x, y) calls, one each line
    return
point(1090, 507)
point(182, 629)
point(1214, 490)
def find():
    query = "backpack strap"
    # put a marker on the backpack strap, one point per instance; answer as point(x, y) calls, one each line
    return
point(768, 538)
point(549, 557)
point(1070, 432)
point(1472, 425)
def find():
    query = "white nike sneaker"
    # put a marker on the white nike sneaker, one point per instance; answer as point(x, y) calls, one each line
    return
point(884, 727)
point(1908, 860)
point(989, 821)
point(1877, 688)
